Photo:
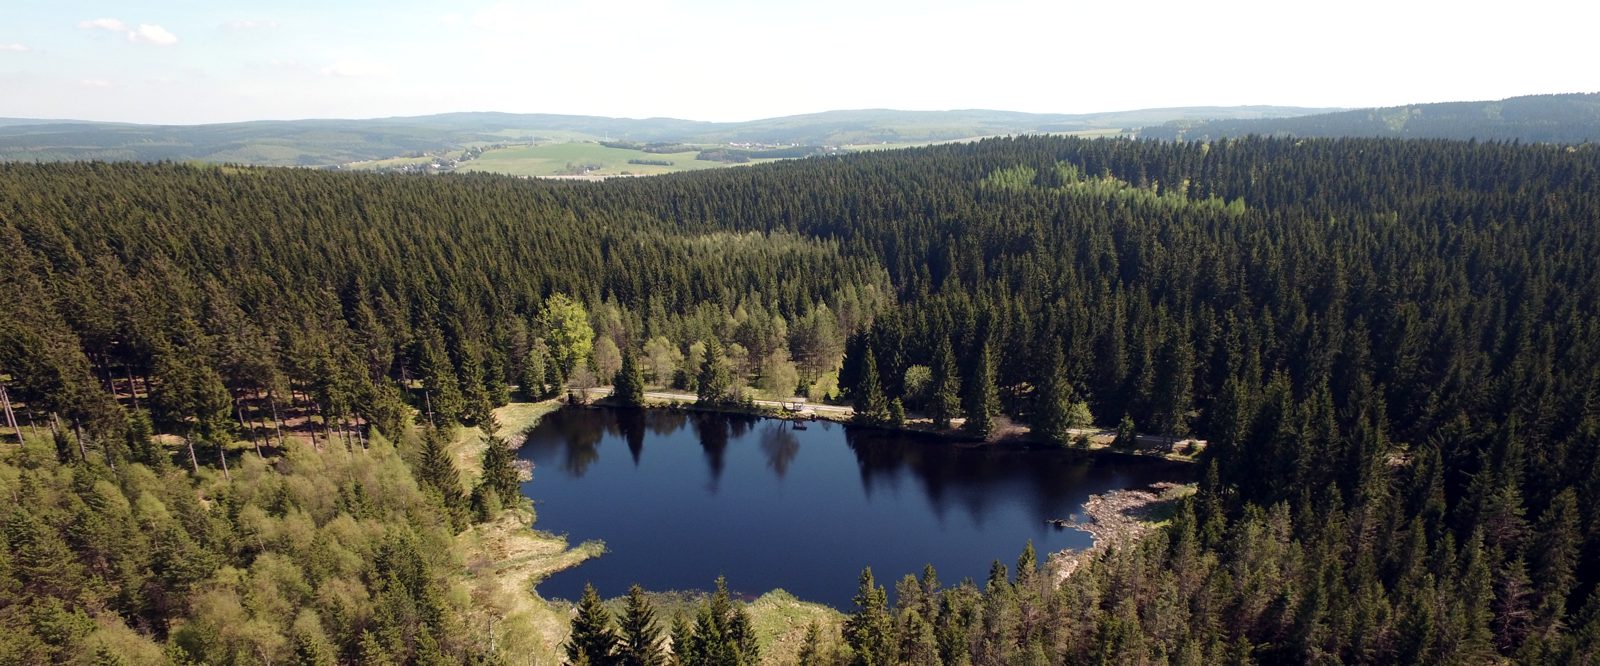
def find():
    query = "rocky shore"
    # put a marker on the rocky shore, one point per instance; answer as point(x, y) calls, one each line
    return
point(1113, 519)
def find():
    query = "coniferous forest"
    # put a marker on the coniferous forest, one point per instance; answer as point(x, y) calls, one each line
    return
point(1391, 346)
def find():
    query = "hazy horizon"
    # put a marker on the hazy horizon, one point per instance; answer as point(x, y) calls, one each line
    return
point(720, 61)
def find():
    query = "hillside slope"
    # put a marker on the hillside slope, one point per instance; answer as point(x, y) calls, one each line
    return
point(1569, 118)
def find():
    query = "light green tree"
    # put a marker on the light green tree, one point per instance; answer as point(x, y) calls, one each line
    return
point(567, 332)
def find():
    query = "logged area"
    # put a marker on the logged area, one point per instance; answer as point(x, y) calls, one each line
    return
point(236, 397)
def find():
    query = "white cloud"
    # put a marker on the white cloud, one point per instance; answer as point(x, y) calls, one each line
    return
point(145, 33)
point(152, 34)
point(14, 48)
point(359, 69)
point(111, 24)
point(95, 83)
point(251, 24)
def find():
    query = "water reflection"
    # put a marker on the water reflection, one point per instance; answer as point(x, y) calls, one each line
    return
point(969, 478)
point(680, 498)
point(780, 446)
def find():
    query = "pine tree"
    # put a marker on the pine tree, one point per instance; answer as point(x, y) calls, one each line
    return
point(870, 630)
point(1173, 396)
point(723, 635)
point(499, 470)
point(811, 648)
point(1059, 410)
point(982, 400)
point(592, 641)
point(870, 405)
point(682, 639)
point(442, 399)
point(1127, 435)
point(641, 638)
point(437, 471)
point(945, 402)
point(712, 387)
point(629, 381)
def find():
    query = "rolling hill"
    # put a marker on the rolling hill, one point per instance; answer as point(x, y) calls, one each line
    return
point(335, 142)
point(1566, 118)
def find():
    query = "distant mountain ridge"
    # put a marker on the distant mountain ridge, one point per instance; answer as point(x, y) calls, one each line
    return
point(1561, 118)
point(327, 142)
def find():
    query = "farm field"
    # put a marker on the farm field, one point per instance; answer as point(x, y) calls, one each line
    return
point(567, 159)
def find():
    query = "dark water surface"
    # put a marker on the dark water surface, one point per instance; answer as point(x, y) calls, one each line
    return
point(680, 498)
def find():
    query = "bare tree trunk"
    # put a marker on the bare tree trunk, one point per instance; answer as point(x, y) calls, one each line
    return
point(11, 416)
point(194, 464)
point(276, 422)
point(222, 454)
point(362, 435)
point(133, 389)
point(427, 399)
point(77, 432)
point(105, 369)
point(238, 408)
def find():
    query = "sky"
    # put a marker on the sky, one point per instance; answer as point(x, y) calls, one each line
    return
point(221, 61)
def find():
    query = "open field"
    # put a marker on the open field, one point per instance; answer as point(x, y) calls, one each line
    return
point(565, 159)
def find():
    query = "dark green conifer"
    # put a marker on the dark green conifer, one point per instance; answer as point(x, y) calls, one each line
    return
point(870, 405)
point(945, 402)
point(641, 638)
point(629, 382)
point(982, 399)
point(869, 631)
point(592, 641)
point(714, 383)
point(499, 471)
point(437, 471)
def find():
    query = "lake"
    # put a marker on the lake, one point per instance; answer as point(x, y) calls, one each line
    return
point(682, 497)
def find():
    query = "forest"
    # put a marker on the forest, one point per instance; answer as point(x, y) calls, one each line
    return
point(1390, 345)
point(1563, 118)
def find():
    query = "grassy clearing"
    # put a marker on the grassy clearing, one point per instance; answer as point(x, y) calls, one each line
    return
point(781, 621)
point(396, 162)
point(466, 447)
point(554, 159)
point(504, 560)
point(557, 159)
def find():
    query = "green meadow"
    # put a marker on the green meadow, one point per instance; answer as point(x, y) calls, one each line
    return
point(568, 159)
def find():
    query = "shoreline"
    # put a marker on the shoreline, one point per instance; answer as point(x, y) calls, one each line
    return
point(1006, 434)
point(1113, 519)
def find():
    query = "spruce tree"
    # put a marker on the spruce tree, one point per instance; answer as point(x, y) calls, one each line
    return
point(870, 405)
point(982, 400)
point(714, 382)
point(869, 630)
point(499, 469)
point(592, 641)
point(723, 635)
point(629, 381)
point(945, 402)
point(1127, 436)
point(811, 649)
point(641, 638)
point(1054, 421)
point(437, 471)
